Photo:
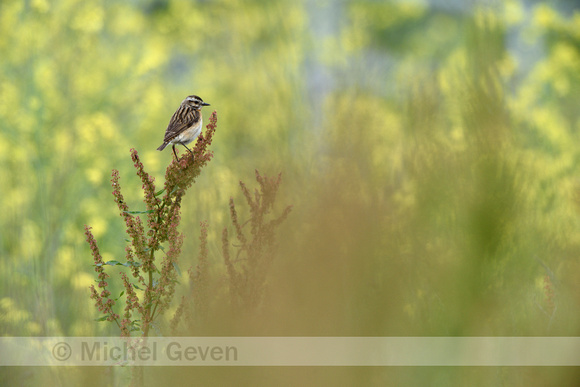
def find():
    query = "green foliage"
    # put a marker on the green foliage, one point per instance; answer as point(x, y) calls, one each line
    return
point(431, 155)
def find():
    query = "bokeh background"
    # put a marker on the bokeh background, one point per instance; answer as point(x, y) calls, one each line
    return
point(430, 150)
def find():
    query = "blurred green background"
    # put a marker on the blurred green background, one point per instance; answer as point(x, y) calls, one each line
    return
point(430, 150)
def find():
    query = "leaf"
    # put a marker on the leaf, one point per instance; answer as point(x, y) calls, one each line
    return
point(130, 264)
point(160, 192)
point(112, 263)
point(120, 295)
point(102, 318)
point(176, 267)
point(139, 212)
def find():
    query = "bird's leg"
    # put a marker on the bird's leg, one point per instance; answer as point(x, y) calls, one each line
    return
point(176, 158)
point(187, 148)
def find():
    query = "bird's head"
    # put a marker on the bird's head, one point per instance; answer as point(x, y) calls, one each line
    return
point(195, 102)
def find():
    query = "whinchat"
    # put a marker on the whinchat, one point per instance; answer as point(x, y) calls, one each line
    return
point(185, 124)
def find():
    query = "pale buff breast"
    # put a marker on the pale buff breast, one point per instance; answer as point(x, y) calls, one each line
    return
point(188, 135)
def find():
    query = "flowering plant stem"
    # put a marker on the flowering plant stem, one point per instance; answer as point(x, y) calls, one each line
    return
point(147, 299)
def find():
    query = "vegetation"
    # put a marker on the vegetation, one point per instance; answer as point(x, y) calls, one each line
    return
point(430, 154)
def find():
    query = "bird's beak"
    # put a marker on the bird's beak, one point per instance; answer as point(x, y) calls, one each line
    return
point(205, 104)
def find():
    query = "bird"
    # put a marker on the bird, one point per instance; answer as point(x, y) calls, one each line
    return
point(185, 124)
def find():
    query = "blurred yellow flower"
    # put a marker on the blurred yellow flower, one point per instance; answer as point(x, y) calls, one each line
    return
point(544, 15)
point(89, 17)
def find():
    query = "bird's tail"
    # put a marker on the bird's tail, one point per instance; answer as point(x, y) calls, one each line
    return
point(162, 146)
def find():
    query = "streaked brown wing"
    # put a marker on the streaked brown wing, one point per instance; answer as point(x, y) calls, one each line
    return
point(182, 119)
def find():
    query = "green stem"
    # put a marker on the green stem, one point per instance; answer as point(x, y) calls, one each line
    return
point(150, 314)
point(148, 317)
